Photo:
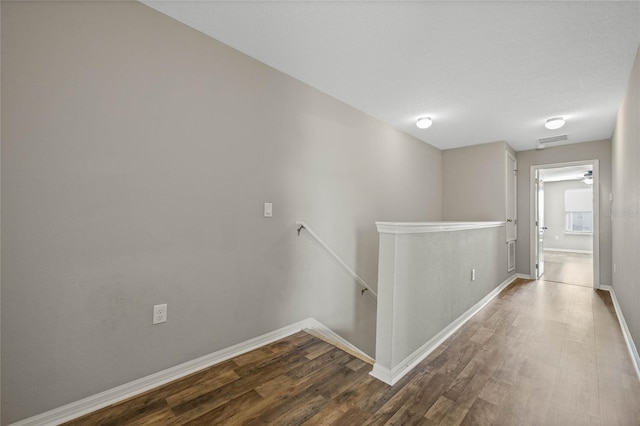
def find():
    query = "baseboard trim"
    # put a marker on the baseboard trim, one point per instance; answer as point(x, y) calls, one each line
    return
point(524, 276)
point(90, 404)
point(335, 339)
point(384, 374)
point(633, 350)
point(391, 377)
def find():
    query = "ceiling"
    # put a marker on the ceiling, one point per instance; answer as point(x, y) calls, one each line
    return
point(484, 71)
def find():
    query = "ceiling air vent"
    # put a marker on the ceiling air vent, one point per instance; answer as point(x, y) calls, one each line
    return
point(553, 139)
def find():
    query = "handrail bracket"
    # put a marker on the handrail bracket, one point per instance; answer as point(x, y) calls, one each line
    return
point(360, 281)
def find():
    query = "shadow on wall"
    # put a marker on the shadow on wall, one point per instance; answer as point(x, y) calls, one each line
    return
point(365, 307)
point(333, 295)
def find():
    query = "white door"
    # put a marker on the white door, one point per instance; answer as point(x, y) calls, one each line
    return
point(512, 197)
point(539, 224)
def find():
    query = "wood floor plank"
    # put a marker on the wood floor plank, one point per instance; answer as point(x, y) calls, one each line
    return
point(282, 355)
point(541, 353)
point(222, 414)
point(196, 407)
point(360, 389)
point(495, 392)
point(356, 364)
point(284, 388)
point(318, 348)
point(481, 413)
point(440, 409)
point(159, 417)
point(353, 416)
point(342, 379)
point(381, 393)
point(317, 363)
point(405, 416)
point(328, 415)
point(254, 356)
point(202, 388)
point(396, 398)
point(129, 412)
point(301, 407)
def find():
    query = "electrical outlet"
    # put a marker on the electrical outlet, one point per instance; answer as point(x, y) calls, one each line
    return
point(160, 313)
point(473, 275)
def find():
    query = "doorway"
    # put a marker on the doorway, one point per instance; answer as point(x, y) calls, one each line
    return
point(564, 229)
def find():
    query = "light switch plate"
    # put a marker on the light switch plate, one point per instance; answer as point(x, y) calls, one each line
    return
point(268, 210)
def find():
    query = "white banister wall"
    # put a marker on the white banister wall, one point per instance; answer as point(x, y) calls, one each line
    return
point(425, 290)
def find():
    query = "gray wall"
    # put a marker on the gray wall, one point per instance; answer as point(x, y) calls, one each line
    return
point(136, 156)
point(600, 150)
point(626, 204)
point(473, 182)
point(427, 281)
point(555, 217)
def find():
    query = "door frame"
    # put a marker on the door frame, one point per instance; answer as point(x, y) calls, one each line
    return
point(596, 215)
point(536, 223)
point(513, 175)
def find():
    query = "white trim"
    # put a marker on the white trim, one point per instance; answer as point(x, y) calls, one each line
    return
point(511, 258)
point(533, 237)
point(322, 329)
point(392, 376)
point(631, 346)
point(333, 254)
point(524, 276)
point(95, 402)
point(424, 227)
point(596, 214)
point(384, 374)
point(569, 250)
point(510, 175)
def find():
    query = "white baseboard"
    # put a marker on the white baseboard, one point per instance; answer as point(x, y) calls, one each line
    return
point(384, 374)
point(569, 250)
point(392, 376)
point(524, 276)
point(633, 350)
point(316, 325)
point(90, 404)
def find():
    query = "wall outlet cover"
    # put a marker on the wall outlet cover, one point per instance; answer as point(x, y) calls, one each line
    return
point(160, 313)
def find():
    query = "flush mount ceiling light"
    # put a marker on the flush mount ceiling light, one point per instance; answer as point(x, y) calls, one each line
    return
point(424, 122)
point(554, 123)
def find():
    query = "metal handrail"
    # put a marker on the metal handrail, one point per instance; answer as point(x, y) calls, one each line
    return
point(360, 281)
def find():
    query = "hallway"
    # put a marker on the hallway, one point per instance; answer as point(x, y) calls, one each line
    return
point(540, 353)
point(568, 268)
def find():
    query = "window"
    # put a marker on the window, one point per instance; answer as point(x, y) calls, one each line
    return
point(581, 222)
point(578, 206)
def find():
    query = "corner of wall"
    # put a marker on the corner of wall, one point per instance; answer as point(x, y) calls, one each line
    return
point(624, 208)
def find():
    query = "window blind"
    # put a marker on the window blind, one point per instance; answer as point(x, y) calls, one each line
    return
point(578, 200)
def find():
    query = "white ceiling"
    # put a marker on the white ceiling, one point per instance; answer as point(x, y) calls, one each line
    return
point(485, 71)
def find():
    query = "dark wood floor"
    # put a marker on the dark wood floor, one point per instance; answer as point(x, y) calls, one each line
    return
point(541, 353)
